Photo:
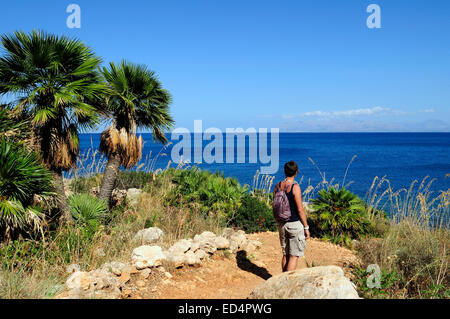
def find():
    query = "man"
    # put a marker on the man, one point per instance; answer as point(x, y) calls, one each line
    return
point(294, 232)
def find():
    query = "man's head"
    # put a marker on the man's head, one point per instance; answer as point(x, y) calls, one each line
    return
point(290, 169)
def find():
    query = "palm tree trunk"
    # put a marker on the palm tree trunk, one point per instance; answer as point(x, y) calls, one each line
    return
point(63, 207)
point(109, 178)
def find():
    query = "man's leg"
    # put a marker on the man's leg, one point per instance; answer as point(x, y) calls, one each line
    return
point(292, 263)
point(284, 262)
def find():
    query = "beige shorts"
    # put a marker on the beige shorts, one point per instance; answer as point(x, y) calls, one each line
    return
point(292, 238)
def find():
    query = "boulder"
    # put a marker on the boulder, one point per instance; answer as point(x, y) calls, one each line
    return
point(148, 235)
point(94, 284)
point(206, 241)
point(180, 247)
point(324, 282)
point(147, 256)
point(118, 196)
point(78, 280)
point(133, 195)
point(201, 254)
point(177, 260)
point(237, 241)
point(227, 232)
point(191, 259)
point(221, 242)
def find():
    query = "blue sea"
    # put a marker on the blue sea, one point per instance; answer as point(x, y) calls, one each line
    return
point(401, 157)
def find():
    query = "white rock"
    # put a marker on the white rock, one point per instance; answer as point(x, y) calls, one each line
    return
point(177, 260)
point(115, 267)
point(207, 234)
point(227, 232)
point(191, 259)
point(221, 242)
point(324, 282)
point(148, 235)
point(237, 240)
point(147, 256)
point(180, 247)
point(201, 254)
point(78, 280)
point(195, 246)
point(145, 273)
point(133, 195)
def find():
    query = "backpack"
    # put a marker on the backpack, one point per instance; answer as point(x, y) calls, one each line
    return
point(280, 207)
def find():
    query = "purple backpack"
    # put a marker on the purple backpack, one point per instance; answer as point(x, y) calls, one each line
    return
point(281, 208)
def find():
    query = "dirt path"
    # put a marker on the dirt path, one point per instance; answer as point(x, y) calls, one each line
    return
point(235, 276)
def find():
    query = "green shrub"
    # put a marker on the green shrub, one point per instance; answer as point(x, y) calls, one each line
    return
point(339, 216)
point(88, 211)
point(388, 283)
point(133, 179)
point(21, 177)
point(85, 184)
point(210, 191)
point(254, 215)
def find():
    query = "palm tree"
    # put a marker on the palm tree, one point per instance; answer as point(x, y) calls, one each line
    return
point(52, 78)
point(135, 99)
point(21, 178)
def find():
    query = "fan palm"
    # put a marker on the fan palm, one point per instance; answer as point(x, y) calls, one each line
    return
point(21, 177)
point(340, 213)
point(135, 99)
point(52, 77)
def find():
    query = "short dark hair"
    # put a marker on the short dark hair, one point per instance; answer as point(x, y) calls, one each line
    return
point(290, 168)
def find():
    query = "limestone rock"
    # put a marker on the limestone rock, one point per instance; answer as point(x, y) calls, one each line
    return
point(145, 273)
point(221, 242)
point(148, 235)
point(191, 258)
point(133, 195)
point(176, 259)
point(180, 247)
point(94, 284)
point(114, 267)
point(147, 256)
point(324, 282)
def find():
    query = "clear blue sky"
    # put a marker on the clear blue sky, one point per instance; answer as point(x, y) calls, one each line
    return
point(296, 65)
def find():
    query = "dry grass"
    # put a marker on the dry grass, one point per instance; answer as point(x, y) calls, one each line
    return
point(36, 269)
point(415, 244)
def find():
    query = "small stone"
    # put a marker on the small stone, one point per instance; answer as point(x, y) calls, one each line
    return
point(125, 277)
point(145, 273)
point(115, 267)
point(126, 292)
point(140, 283)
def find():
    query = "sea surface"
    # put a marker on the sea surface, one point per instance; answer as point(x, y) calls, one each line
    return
point(400, 157)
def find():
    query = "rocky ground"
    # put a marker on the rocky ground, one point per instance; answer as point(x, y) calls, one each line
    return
point(231, 265)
